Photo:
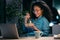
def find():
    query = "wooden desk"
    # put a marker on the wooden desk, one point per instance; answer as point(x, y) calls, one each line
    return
point(33, 38)
point(41, 38)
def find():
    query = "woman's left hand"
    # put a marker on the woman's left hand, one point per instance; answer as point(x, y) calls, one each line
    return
point(31, 25)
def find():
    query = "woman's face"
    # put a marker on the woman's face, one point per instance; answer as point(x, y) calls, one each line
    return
point(37, 11)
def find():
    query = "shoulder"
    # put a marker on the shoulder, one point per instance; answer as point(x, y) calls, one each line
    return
point(44, 20)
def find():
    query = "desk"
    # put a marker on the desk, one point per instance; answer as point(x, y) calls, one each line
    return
point(33, 38)
point(41, 38)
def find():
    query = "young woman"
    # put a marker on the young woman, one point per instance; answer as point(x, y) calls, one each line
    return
point(38, 21)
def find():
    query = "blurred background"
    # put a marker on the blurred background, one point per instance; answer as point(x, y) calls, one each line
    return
point(13, 11)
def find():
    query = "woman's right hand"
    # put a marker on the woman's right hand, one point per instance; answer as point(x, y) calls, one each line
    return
point(27, 16)
point(26, 19)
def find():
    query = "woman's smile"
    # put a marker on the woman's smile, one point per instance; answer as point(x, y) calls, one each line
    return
point(37, 11)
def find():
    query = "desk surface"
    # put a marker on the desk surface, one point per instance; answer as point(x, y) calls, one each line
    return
point(33, 38)
point(41, 38)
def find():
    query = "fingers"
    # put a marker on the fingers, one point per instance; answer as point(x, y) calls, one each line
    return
point(27, 16)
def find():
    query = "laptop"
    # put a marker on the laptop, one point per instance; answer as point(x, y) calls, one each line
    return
point(9, 31)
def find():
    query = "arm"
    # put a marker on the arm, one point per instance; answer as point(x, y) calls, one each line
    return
point(31, 25)
point(45, 30)
point(27, 17)
point(26, 24)
point(36, 29)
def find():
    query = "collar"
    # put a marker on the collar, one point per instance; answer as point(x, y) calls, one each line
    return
point(39, 17)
